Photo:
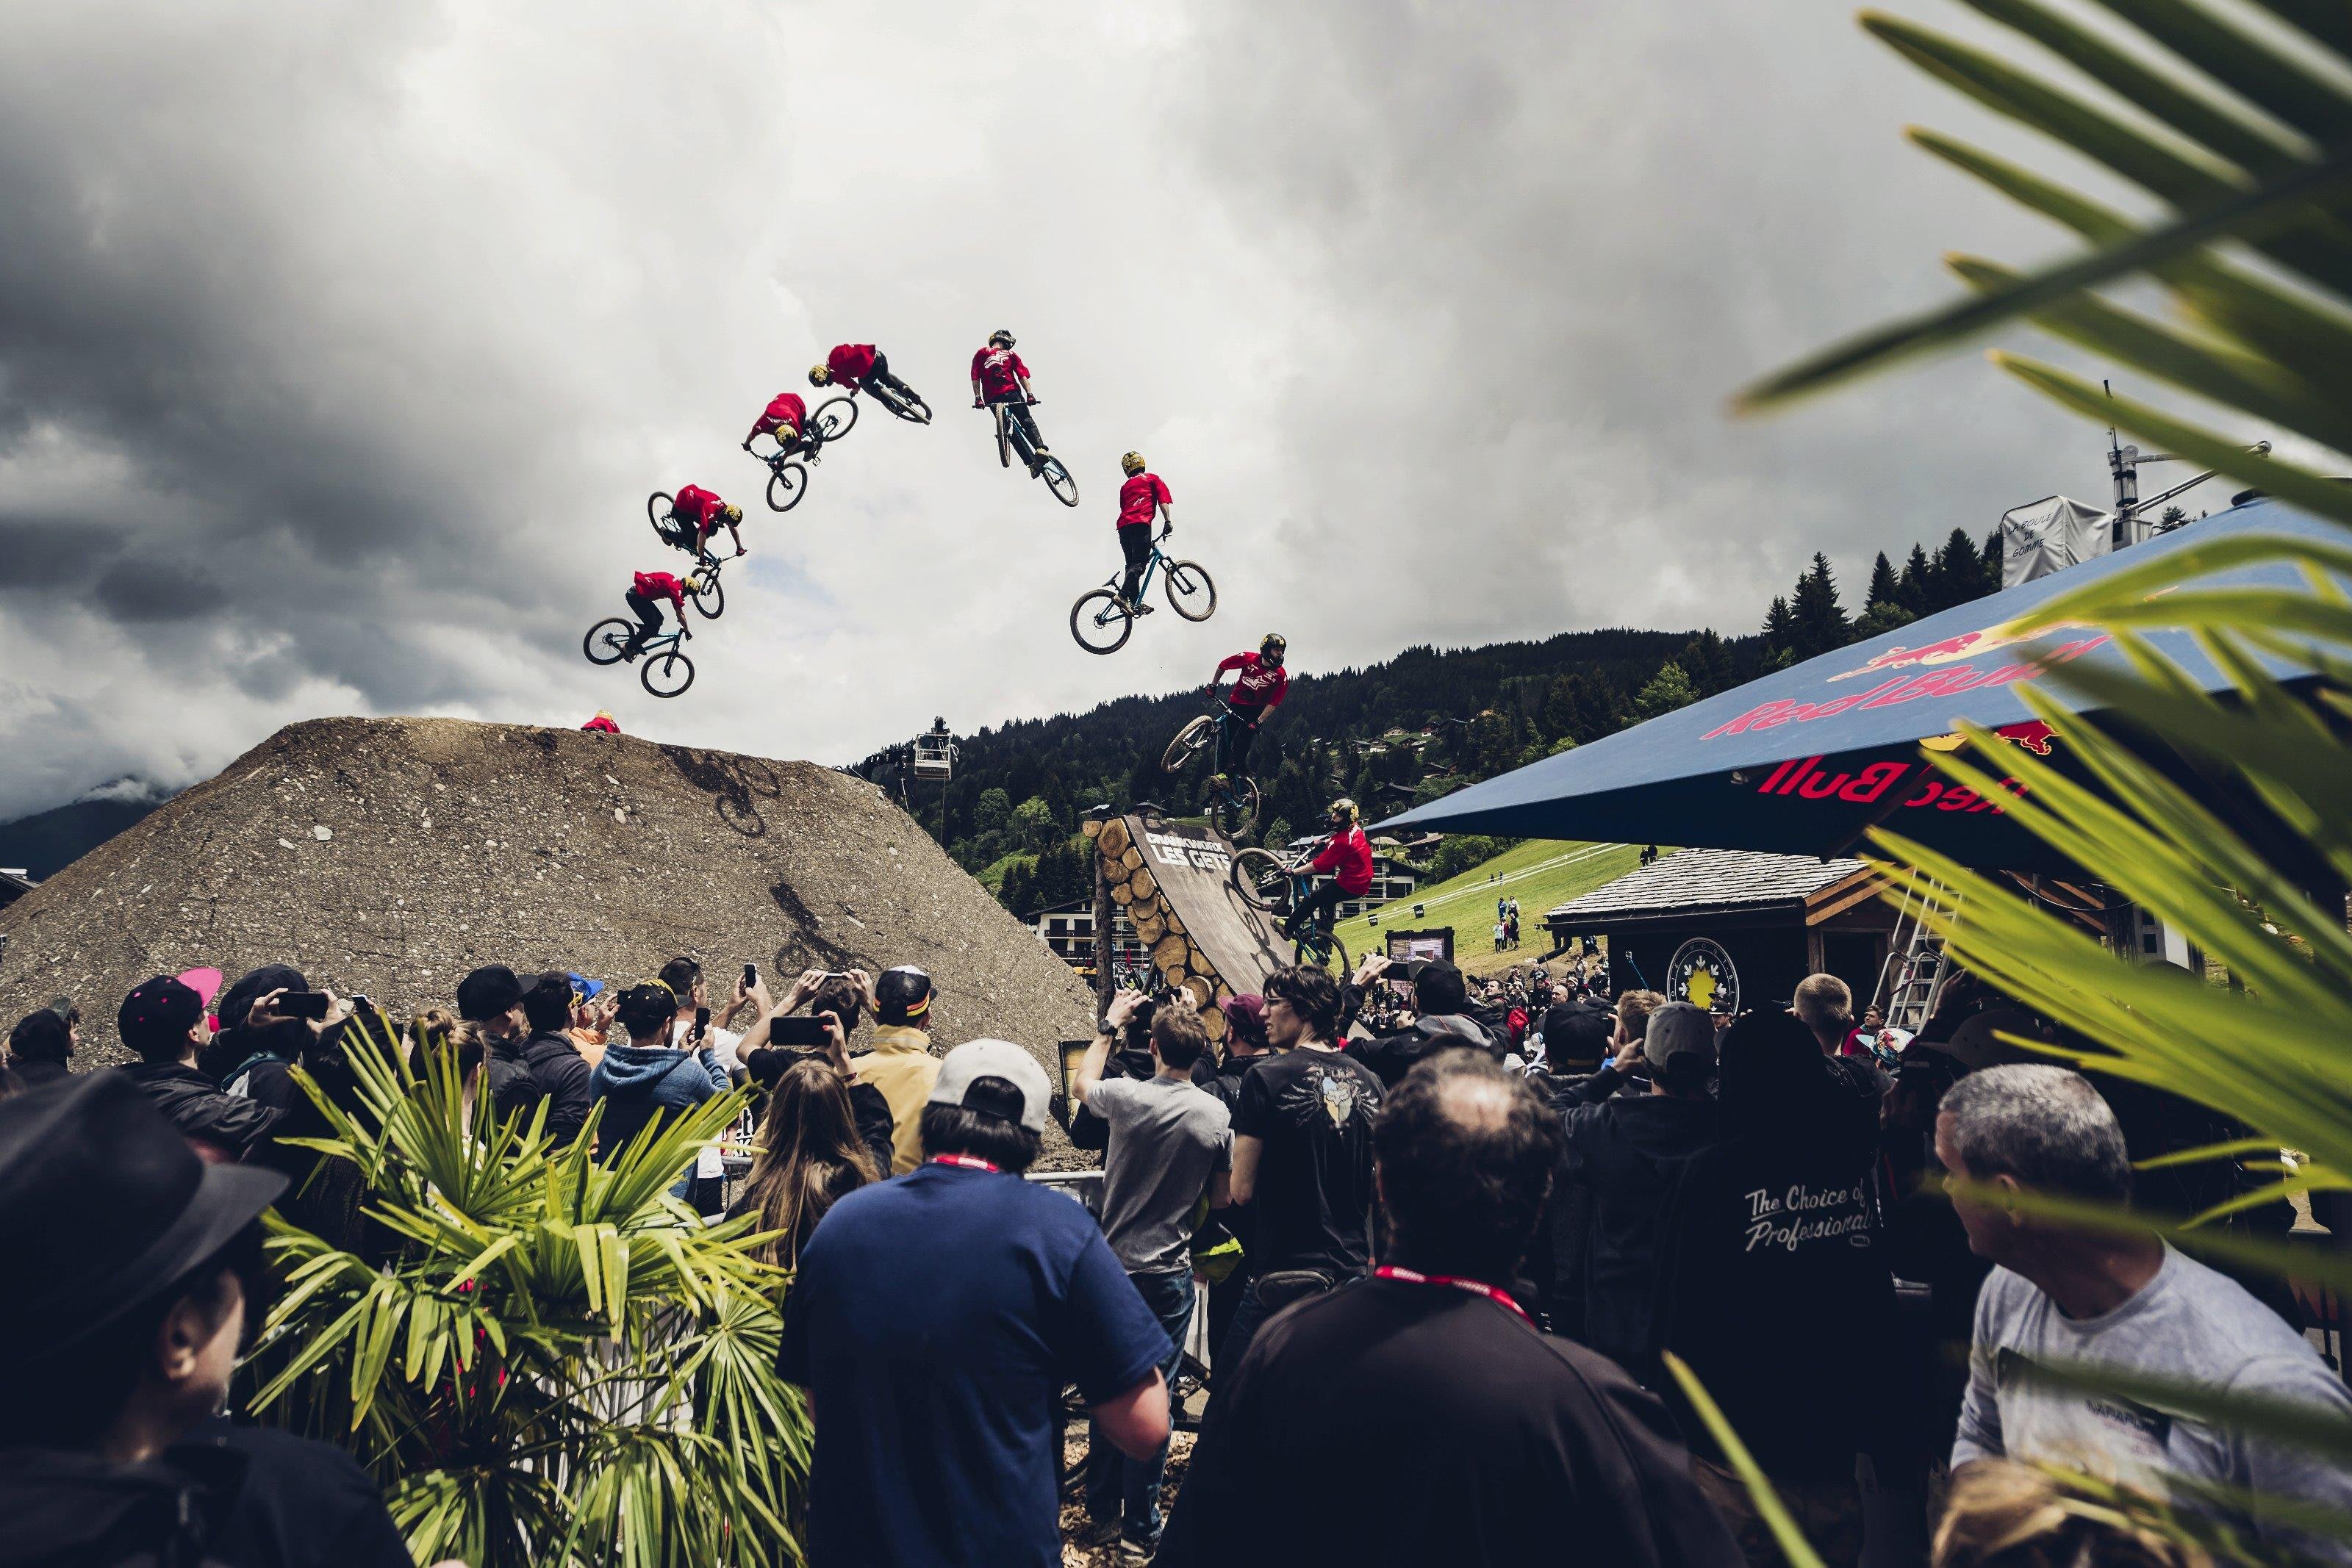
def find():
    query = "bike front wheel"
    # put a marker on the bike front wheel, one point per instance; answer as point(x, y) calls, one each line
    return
point(1190, 592)
point(1235, 811)
point(608, 641)
point(1261, 879)
point(787, 483)
point(1189, 739)
point(710, 598)
point(1100, 622)
point(909, 406)
point(667, 675)
point(658, 507)
point(834, 416)
point(1057, 479)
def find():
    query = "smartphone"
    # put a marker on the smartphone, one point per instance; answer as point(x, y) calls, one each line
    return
point(751, 975)
point(302, 1005)
point(798, 1030)
point(701, 1023)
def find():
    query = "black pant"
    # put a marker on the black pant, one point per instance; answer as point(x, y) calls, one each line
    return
point(1024, 423)
point(648, 613)
point(1135, 542)
point(1241, 728)
point(1324, 900)
point(880, 376)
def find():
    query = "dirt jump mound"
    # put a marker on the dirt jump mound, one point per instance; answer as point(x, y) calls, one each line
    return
point(391, 856)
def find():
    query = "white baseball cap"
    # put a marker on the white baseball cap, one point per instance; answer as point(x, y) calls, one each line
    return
point(959, 1084)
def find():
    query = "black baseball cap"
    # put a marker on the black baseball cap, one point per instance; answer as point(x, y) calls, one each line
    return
point(158, 1014)
point(487, 993)
point(902, 994)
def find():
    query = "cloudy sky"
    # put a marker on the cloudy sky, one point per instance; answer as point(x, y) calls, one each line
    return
point(340, 343)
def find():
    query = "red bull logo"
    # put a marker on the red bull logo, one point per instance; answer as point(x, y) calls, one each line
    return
point(1966, 645)
point(2033, 735)
point(1804, 778)
point(1903, 688)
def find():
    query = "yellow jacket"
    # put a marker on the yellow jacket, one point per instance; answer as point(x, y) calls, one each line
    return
point(901, 1065)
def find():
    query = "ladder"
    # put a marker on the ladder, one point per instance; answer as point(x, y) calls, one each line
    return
point(1911, 980)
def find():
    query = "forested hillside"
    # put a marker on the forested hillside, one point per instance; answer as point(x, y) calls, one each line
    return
point(1410, 730)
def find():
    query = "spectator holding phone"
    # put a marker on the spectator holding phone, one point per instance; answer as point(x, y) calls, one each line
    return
point(901, 1064)
point(640, 1084)
point(778, 1042)
point(162, 1021)
point(810, 1157)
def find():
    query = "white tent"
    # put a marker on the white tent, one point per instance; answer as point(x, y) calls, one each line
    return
point(2051, 534)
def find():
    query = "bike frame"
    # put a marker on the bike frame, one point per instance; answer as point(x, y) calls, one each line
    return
point(1143, 587)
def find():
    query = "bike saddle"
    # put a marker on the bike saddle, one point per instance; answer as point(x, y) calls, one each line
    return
point(1284, 1286)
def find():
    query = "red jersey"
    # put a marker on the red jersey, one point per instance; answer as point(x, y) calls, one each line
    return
point(1348, 857)
point(603, 725)
point(662, 585)
point(785, 412)
point(996, 368)
point(697, 506)
point(1137, 498)
point(851, 363)
point(1259, 686)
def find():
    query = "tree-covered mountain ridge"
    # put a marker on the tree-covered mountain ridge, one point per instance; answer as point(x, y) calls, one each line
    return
point(1407, 729)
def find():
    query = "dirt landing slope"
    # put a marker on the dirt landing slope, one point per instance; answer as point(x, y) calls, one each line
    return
point(389, 856)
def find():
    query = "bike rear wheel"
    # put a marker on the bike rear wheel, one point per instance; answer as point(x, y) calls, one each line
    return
point(1261, 879)
point(667, 675)
point(1194, 737)
point(909, 405)
point(1057, 479)
point(1100, 622)
point(710, 598)
point(787, 483)
point(834, 416)
point(1326, 953)
point(1190, 592)
point(608, 641)
point(659, 507)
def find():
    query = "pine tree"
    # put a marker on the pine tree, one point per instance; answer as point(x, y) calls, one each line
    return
point(1818, 622)
point(1667, 690)
point(1915, 587)
point(1993, 554)
point(1883, 589)
point(1959, 571)
point(1708, 661)
point(1780, 627)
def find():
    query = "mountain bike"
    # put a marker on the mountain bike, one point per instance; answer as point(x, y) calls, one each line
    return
point(788, 465)
point(907, 406)
point(1280, 883)
point(1232, 797)
point(1101, 619)
point(1012, 439)
point(614, 639)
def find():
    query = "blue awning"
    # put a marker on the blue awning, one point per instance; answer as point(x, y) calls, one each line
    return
point(1803, 760)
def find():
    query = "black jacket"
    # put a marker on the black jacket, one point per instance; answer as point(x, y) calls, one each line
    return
point(549, 1067)
point(77, 1510)
point(1391, 1056)
point(203, 1114)
point(36, 1071)
point(1629, 1152)
point(876, 1129)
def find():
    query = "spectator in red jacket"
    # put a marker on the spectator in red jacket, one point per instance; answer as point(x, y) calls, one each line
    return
point(785, 416)
point(1257, 691)
point(603, 724)
point(1347, 856)
point(998, 376)
point(860, 366)
point(706, 512)
point(648, 588)
point(1142, 500)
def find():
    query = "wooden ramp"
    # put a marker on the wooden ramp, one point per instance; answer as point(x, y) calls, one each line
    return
point(1170, 879)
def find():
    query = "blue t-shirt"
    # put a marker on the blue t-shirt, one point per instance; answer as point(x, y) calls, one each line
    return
point(934, 1321)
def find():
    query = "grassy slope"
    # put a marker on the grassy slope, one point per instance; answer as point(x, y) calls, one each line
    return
point(1541, 874)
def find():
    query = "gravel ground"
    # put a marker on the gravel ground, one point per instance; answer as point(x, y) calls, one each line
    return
point(389, 856)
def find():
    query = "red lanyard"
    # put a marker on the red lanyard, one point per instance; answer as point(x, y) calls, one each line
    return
point(1475, 1287)
point(969, 1161)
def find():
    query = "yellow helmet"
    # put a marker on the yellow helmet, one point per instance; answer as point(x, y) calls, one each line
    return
point(819, 374)
point(1132, 463)
point(733, 514)
point(1343, 810)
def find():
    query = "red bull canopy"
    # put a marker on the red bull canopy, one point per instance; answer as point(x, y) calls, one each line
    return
point(1806, 759)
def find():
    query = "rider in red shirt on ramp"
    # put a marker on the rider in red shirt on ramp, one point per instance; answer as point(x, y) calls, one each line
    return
point(602, 722)
point(998, 376)
point(1142, 499)
point(786, 415)
point(644, 590)
point(1347, 856)
point(1257, 691)
point(859, 365)
point(706, 512)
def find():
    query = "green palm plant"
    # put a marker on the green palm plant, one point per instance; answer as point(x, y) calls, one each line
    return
point(2238, 125)
point(541, 1358)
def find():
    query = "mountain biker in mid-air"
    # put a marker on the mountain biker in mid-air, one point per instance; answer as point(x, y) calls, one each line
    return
point(785, 416)
point(1257, 691)
point(707, 513)
point(1140, 499)
point(1347, 854)
point(853, 366)
point(646, 591)
point(998, 376)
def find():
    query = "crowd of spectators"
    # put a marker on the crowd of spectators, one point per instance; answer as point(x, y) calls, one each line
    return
point(1433, 1240)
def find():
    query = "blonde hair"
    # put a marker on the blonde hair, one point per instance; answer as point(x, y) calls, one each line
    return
point(1821, 1000)
point(1634, 1010)
point(2007, 1515)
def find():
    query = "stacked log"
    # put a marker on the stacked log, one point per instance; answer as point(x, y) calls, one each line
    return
point(1134, 890)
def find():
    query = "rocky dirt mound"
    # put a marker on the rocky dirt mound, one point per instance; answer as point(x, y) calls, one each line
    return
point(389, 856)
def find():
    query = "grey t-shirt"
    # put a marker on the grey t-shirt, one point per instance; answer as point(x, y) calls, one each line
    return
point(2188, 1325)
point(1167, 1140)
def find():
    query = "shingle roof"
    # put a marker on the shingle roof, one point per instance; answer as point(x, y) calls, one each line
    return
point(1700, 880)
